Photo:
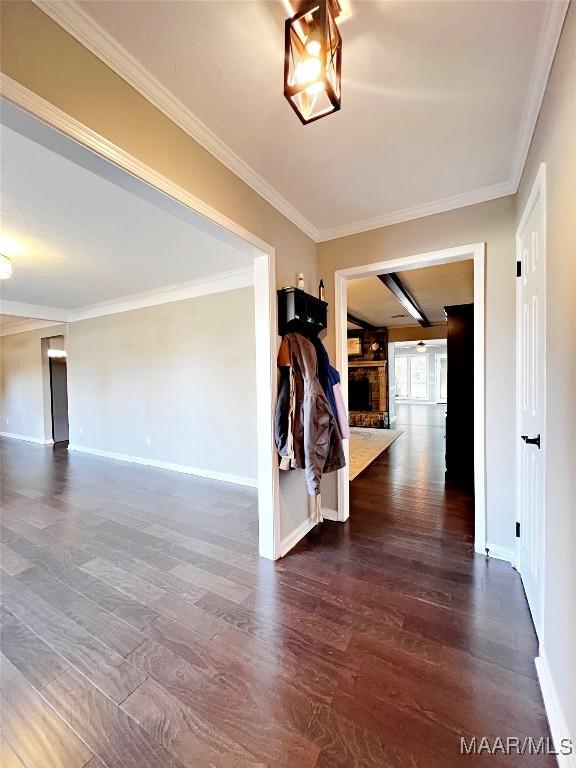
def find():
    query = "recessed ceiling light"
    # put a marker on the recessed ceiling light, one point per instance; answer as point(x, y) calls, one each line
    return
point(5, 267)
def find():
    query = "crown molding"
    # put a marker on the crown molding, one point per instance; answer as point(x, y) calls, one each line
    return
point(203, 286)
point(35, 311)
point(481, 195)
point(71, 17)
point(543, 60)
point(74, 20)
point(27, 325)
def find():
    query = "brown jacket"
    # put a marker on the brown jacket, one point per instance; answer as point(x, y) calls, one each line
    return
point(306, 432)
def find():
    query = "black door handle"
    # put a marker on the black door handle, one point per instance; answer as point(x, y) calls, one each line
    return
point(531, 440)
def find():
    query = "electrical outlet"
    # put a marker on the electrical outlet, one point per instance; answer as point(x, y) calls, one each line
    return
point(148, 440)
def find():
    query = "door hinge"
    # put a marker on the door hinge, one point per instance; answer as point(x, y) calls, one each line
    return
point(517, 530)
point(518, 269)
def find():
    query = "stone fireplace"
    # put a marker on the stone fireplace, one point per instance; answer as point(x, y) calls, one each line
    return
point(368, 393)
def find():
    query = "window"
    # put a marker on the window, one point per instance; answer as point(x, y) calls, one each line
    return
point(411, 372)
point(401, 376)
point(441, 378)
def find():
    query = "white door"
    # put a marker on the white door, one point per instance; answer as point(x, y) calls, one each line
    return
point(530, 391)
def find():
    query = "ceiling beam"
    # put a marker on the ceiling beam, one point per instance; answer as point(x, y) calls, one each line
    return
point(395, 285)
point(364, 324)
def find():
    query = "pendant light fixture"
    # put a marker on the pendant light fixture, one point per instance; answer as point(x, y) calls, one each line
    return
point(5, 267)
point(421, 347)
point(313, 60)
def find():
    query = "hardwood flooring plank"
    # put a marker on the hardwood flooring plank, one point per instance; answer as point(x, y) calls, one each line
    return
point(37, 662)
point(225, 704)
point(107, 627)
point(114, 737)
point(11, 562)
point(107, 669)
point(126, 582)
point(36, 734)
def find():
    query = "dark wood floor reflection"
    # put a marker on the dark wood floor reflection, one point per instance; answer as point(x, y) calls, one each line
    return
point(140, 630)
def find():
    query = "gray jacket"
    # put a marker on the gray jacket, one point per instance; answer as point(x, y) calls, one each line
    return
point(306, 432)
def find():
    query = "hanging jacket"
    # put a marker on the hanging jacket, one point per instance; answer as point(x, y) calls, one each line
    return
point(330, 381)
point(306, 432)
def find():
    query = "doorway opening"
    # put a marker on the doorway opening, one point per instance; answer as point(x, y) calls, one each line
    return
point(58, 370)
point(422, 372)
point(169, 284)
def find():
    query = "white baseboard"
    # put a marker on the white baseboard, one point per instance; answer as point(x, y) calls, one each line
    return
point(27, 438)
point(330, 514)
point(501, 553)
point(290, 541)
point(556, 718)
point(183, 468)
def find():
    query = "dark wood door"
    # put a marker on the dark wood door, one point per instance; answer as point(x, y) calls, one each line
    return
point(460, 386)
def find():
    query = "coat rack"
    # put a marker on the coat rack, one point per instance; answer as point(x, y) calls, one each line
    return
point(300, 312)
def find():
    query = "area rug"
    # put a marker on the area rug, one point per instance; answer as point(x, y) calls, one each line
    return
point(367, 444)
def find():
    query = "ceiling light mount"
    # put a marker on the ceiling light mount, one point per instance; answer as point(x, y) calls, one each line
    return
point(313, 60)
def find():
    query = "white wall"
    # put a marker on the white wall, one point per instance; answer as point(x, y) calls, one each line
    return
point(25, 384)
point(554, 143)
point(174, 383)
point(494, 223)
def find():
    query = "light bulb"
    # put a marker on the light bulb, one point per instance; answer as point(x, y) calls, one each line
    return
point(313, 47)
point(308, 70)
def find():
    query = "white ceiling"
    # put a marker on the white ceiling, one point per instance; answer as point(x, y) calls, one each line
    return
point(438, 107)
point(88, 233)
point(433, 288)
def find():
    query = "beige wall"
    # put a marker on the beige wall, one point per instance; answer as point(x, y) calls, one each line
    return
point(554, 143)
point(25, 384)
point(181, 376)
point(492, 222)
point(40, 55)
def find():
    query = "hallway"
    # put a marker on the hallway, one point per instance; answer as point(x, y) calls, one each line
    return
point(142, 631)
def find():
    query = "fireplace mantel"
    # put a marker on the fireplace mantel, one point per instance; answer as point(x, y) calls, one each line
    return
point(367, 363)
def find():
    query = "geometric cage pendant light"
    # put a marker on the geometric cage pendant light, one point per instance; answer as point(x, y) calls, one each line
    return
point(313, 60)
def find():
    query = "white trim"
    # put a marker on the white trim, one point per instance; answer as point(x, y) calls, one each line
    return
point(330, 514)
point(27, 325)
point(264, 293)
point(537, 191)
point(480, 195)
point(203, 286)
point(497, 552)
point(223, 477)
point(556, 718)
point(290, 541)
point(71, 17)
point(27, 438)
point(35, 311)
point(543, 60)
point(475, 251)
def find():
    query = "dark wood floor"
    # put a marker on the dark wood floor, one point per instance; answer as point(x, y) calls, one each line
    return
point(140, 630)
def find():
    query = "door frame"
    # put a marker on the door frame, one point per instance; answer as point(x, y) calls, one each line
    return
point(476, 252)
point(437, 358)
point(269, 545)
point(537, 192)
